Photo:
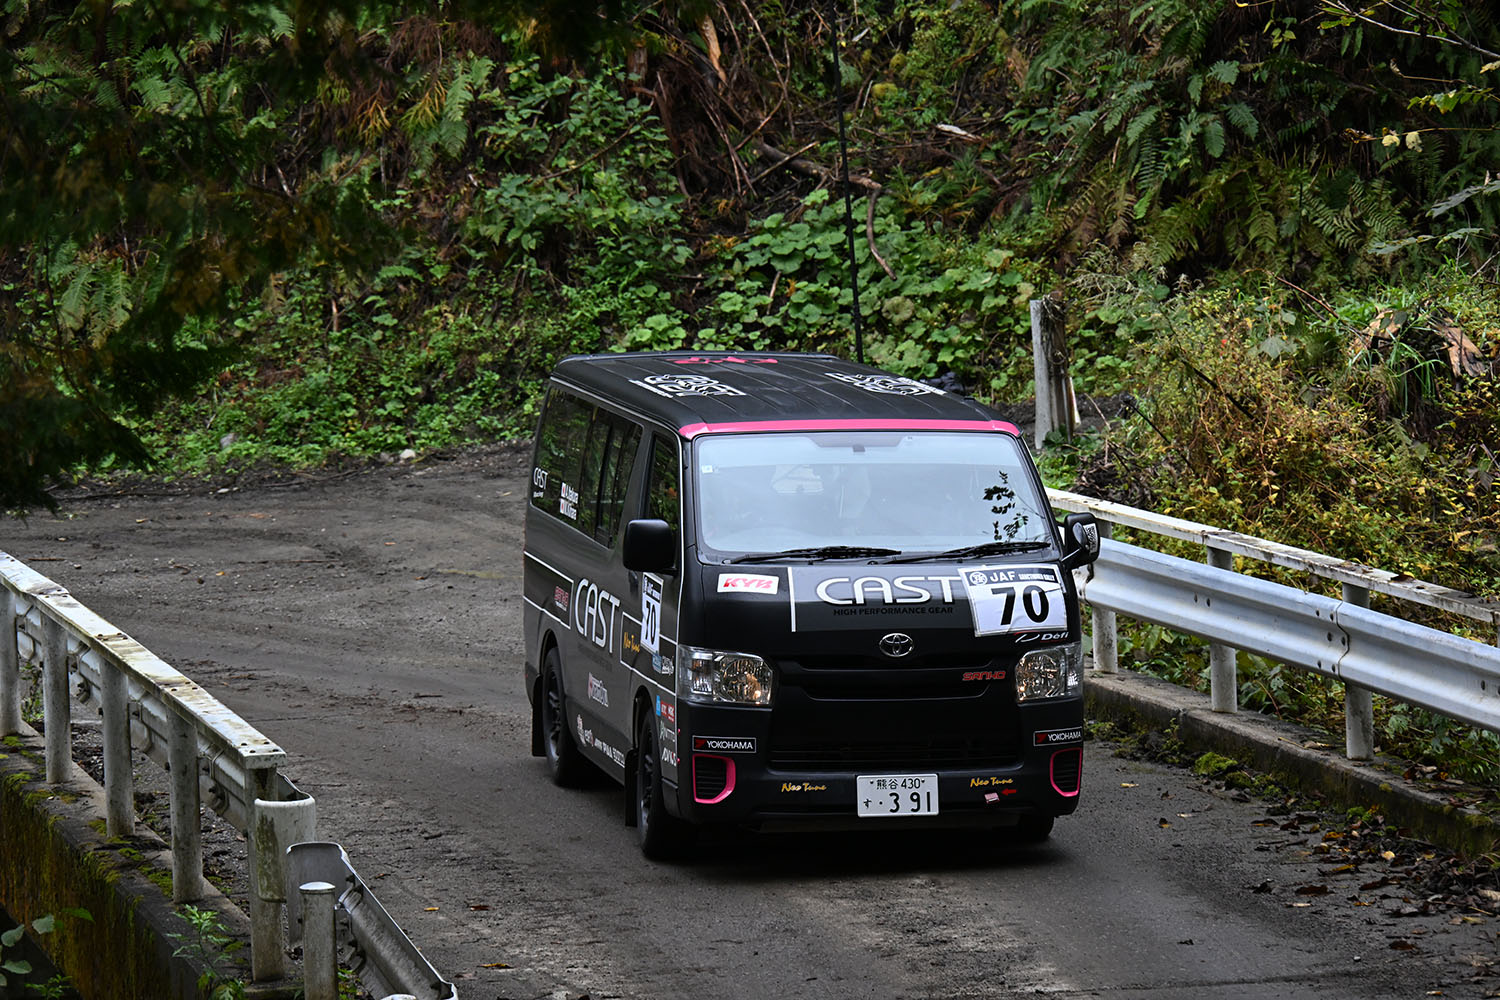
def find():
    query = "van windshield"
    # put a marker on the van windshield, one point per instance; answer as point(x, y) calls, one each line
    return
point(853, 494)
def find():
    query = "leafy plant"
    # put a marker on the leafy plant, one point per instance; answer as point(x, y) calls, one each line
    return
point(15, 966)
point(209, 944)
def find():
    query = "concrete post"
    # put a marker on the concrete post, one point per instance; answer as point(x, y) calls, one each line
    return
point(57, 711)
point(119, 774)
point(10, 666)
point(274, 826)
point(187, 832)
point(320, 968)
point(1223, 676)
point(1359, 703)
point(1106, 638)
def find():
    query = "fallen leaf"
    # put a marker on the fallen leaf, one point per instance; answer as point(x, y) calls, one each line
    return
point(494, 965)
point(479, 906)
point(1312, 890)
point(1127, 784)
point(1163, 823)
point(1298, 905)
point(430, 909)
point(1388, 855)
point(1403, 945)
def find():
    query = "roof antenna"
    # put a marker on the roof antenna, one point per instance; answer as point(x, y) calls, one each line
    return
point(838, 90)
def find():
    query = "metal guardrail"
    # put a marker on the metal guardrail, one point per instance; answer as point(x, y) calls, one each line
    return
point(214, 757)
point(353, 927)
point(1343, 639)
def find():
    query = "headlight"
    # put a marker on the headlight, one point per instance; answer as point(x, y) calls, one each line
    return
point(716, 675)
point(1054, 672)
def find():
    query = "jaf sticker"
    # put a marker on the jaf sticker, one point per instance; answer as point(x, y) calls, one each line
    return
point(1015, 599)
point(651, 612)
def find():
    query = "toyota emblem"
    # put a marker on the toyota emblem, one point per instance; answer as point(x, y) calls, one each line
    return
point(896, 644)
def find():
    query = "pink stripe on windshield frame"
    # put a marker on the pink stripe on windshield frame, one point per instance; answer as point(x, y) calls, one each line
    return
point(691, 431)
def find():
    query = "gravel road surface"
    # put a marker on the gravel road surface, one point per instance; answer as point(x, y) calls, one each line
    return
point(369, 624)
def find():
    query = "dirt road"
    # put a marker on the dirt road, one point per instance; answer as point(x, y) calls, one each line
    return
point(369, 625)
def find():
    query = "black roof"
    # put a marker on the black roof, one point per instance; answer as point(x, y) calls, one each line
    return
point(686, 389)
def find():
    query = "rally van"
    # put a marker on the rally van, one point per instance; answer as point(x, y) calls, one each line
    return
point(786, 590)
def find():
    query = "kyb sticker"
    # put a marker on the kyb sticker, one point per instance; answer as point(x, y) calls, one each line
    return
point(748, 583)
point(1015, 599)
point(678, 384)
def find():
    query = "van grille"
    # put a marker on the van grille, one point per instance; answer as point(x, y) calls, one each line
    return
point(710, 777)
point(887, 755)
point(849, 678)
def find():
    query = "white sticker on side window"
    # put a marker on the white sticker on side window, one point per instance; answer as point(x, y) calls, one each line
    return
point(1015, 599)
point(748, 583)
point(650, 613)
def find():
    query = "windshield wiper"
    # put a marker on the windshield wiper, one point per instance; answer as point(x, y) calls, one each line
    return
point(817, 552)
point(969, 551)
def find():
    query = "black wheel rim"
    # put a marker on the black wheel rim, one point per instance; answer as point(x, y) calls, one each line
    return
point(646, 780)
point(554, 718)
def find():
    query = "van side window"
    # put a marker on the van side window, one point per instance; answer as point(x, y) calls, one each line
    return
point(614, 477)
point(584, 458)
point(559, 455)
point(662, 498)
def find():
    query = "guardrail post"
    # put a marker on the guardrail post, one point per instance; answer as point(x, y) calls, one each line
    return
point(57, 711)
point(10, 666)
point(1223, 677)
point(1106, 638)
point(320, 976)
point(274, 826)
point(119, 773)
point(187, 832)
point(1359, 704)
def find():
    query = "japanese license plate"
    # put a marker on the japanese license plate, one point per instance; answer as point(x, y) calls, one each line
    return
point(896, 794)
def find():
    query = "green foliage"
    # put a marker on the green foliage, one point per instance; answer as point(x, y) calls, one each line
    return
point(207, 943)
point(14, 966)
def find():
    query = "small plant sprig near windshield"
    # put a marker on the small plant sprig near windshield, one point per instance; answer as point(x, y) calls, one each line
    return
point(210, 944)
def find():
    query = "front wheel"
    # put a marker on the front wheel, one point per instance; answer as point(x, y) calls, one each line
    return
point(564, 762)
point(662, 835)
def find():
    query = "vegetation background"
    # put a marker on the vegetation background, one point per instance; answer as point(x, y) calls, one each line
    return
point(296, 234)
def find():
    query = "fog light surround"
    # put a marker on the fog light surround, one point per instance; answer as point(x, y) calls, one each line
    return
point(1053, 672)
point(722, 676)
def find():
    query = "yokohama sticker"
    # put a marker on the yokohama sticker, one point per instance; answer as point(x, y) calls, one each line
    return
point(1057, 737)
point(724, 744)
point(748, 583)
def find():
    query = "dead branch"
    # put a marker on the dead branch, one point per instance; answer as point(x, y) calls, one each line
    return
point(870, 235)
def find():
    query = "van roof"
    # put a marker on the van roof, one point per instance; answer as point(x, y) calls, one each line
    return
point(702, 392)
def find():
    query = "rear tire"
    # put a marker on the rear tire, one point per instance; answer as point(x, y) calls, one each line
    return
point(662, 835)
point(564, 763)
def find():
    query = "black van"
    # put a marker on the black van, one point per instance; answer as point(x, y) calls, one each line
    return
point(784, 589)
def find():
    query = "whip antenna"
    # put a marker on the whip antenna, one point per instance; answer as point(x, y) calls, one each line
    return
point(838, 90)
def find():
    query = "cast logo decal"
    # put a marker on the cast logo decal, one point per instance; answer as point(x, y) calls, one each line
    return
point(676, 385)
point(1056, 737)
point(748, 583)
point(538, 483)
point(567, 504)
point(849, 591)
point(598, 691)
point(886, 385)
point(724, 744)
point(1016, 599)
point(650, 612)
point(594, 613)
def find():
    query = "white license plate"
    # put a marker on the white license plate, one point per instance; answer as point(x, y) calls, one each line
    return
point(896, 794)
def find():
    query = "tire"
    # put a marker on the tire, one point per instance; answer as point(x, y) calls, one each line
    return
point(564, 763)
point(1033, 828)
point(662, 835)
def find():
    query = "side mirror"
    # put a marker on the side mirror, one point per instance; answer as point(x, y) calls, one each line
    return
point(1080, 540)
point(650, 546)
